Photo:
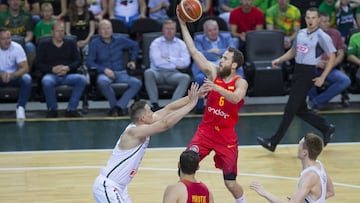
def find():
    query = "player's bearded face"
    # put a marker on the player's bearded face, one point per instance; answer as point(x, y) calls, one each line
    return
point(224, 71)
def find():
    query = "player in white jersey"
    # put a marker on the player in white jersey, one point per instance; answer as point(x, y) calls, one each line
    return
point(314, 185)
point(111, 184)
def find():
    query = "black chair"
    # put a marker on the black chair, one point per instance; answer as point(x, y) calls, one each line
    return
point(145, 25)
point(63, 92)
point(119, 26)
point(119, 88)
point(165, 90)
point(261, 48)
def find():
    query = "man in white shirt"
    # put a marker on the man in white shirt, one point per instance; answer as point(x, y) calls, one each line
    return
point(14, 70)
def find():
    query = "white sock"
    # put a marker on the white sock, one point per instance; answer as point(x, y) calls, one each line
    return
point(241, 199)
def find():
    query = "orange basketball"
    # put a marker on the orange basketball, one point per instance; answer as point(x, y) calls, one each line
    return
point(189, 10)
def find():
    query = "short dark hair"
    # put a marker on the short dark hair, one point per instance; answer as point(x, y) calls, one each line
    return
point(313, 9)
point(324, 14)
point(136, 109)
point(238, 56)
point(313, 144)
point(189, 162)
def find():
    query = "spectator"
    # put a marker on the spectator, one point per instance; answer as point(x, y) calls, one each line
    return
point(19, 22)
point(81, 23)
point(14, 70)
point(106, 55)
point(31, 6)
point(59, 6)
point(58, 60)
point(158, 10)
point(314, 185)
point(99, 8)
point(285, 17)
point(212, 44)
point(328, 7)
point(345, 20)
point(245, 18)
point(225, 7)
point(337, 81)
point(44, 26)
point(168, 55)
point(188, 188)
point(353, 56)
point(127, 10)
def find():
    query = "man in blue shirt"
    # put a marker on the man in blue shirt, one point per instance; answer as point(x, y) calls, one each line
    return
point(168, 55)
point(106, 55)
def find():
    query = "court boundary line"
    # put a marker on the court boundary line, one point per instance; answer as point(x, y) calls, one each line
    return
point(48, 168)
point(156, 148)
point(158, 169)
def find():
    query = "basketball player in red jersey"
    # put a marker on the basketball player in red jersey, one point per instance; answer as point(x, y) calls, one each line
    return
point(188, 189)
point(226, 92)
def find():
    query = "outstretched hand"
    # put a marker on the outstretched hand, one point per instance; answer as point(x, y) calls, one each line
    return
point(258, 188)
point(193, 92)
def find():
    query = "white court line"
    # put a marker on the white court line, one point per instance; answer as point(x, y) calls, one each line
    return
point(163, 169)
point(159, 169)
point(157, 149)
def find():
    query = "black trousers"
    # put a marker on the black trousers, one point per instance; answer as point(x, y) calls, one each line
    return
point(296, 105)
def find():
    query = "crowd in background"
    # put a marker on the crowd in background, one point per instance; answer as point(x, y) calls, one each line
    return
point(44, 39)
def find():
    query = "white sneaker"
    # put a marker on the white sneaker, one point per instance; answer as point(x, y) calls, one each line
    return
point(20, 113)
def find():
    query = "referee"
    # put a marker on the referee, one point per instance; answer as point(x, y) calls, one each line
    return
point(310, 43)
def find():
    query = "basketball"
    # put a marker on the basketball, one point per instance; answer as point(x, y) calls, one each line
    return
point(189, 10)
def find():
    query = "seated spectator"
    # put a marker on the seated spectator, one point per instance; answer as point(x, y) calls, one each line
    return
point(337, 81)
point(106, 55)
point(158, 10)
point(345, 20)
point(44, 26)
point(31, 6)
point(81, 23)
point(212, 44)
point(19, 22)
point(328, 7)
point(58, 60)
point(353, 56)
point(225, 7)
point(168, 55)
point(14, 70)
point(127, 10)
point(99, 8)
point(59, 6)
point(264, 5)
point(285, 17)
point(245, 18)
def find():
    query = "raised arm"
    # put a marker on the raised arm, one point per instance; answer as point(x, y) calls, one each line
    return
point(167, 121)
point(205, 66)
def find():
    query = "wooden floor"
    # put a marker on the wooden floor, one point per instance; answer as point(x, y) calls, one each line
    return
point(67, 176)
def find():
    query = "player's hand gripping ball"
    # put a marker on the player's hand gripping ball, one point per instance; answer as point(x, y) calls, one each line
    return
point(189, 10)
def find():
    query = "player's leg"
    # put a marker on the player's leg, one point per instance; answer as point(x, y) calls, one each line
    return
point(201, 143)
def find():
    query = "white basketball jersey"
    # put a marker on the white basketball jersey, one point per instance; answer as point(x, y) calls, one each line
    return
point(123, 164)
point(322, 175)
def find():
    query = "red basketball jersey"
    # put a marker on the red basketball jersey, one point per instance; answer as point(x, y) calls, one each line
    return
point(220, 112)
point(197, 192)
